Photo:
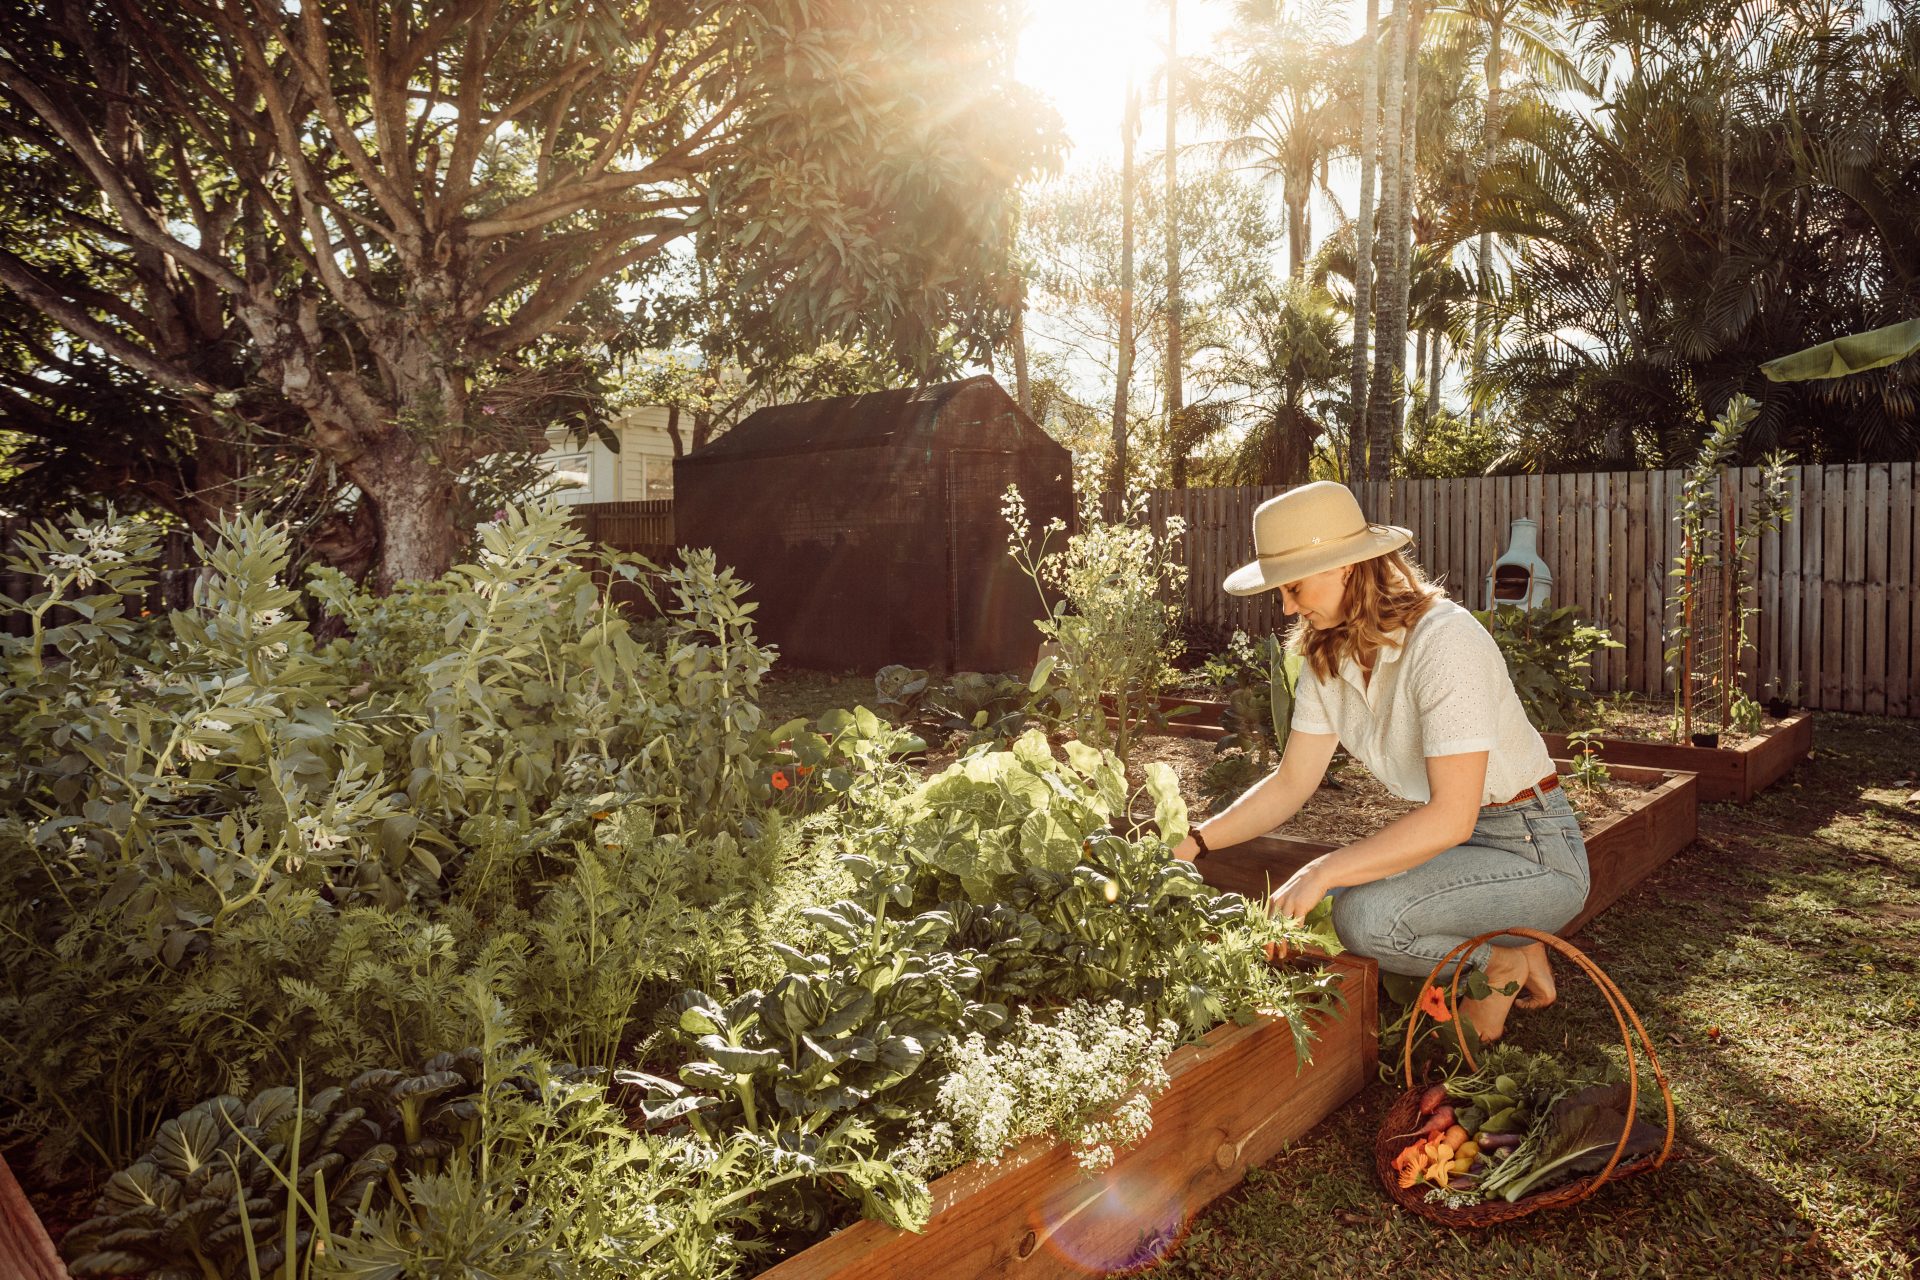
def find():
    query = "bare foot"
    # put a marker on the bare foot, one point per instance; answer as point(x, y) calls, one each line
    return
point(1538, 992)
point(1506, 968)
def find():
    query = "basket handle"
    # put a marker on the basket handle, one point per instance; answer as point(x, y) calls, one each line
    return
point(1623, 1013)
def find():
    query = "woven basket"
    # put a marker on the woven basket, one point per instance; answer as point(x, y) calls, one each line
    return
point(1404, 1115)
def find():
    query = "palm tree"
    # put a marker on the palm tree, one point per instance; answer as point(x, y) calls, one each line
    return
point(1363, 241)
point(1294, 365)
point(1521, 32)
point(1387, 392)
point(1278, 96)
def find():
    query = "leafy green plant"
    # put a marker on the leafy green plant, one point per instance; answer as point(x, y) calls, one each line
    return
point(901, 690)
point(189, 797)
point(1113, 615)
point(1229, 776)
point(1548, 650)
point(1589, 770)
point(1710, 542)
point(1745, 715)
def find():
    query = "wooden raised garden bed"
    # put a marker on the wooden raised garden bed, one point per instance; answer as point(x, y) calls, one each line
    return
point(1621, 851)
point(1725, 773)
point(1235, 1100)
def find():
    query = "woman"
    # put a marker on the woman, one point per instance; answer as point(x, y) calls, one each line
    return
point(1415, 689)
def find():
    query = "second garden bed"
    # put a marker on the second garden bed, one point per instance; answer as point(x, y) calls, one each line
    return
point(1736, 773)
point(1640, 820)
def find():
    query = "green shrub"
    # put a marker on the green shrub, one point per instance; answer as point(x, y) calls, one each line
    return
point(1113, 613)
point(1548, 651)
point(229, 850)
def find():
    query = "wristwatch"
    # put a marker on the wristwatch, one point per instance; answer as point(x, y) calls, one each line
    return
point(1200, 840)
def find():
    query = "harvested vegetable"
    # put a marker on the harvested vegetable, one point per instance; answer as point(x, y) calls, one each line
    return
point(1517, 1126)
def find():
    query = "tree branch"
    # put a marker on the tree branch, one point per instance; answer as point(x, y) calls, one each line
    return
point(18, 276)
point(535, 316)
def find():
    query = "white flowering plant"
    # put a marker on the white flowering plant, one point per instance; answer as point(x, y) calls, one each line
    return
point(1112, 590)
point(1086, 1074)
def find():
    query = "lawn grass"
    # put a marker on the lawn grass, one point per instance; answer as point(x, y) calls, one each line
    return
point(1776, 961)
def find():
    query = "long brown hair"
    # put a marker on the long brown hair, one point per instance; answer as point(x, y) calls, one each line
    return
point(1384, 595)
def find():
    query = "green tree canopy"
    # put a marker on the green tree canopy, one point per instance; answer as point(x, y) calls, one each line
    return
point(352, 225)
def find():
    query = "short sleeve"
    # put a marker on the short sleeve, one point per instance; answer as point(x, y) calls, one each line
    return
point(1461, 679)
point(1310, 704)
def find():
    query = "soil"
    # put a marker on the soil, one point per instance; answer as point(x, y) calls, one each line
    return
point(1639, 718)
point(1351, 803)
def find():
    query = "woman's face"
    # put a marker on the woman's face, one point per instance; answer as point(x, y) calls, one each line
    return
point(1320, 598)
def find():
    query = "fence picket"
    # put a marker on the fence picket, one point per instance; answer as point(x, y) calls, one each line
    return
point(1853, 590)
point(1873, 590)
point(1901, 628)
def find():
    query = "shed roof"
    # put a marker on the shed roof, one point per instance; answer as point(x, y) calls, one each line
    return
point(971, 413)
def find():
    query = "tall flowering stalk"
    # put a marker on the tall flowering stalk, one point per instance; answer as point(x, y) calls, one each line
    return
point(1112, 592)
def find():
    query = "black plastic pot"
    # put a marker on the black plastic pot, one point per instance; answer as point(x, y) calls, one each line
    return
point(1706, 739)
point(1779, 708)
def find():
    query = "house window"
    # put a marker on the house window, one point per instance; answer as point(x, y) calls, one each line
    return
point(574, 468)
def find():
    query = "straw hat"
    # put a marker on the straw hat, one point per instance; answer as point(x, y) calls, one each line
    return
point(1309, 530)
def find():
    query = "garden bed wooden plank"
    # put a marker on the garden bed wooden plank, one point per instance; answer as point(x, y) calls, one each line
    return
point(1235, 1100)
point(1620, 852)
point(26, 1251)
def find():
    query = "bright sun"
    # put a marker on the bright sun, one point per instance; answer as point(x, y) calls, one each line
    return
point(1078, 53)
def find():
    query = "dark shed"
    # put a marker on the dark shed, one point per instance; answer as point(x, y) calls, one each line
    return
point(870, 525)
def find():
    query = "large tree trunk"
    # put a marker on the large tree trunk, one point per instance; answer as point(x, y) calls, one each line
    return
point(1176, 390)
point(1392, 334)
point(1296, 233)
point(414, 501)
point(1022, 392)
point(1403, 237)
point(1130, 122)
point(1483, 266)
point(1363, 243)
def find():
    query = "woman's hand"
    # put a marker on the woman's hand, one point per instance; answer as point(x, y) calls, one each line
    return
point(1187, 850)
point(1301, 893)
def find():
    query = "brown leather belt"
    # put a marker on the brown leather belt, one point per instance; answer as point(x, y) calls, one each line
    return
point(1549, 783)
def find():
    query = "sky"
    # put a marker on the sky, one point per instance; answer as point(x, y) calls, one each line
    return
point(1078, 52)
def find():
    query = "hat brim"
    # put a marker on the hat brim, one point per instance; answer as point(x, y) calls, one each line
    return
point(1268, 574)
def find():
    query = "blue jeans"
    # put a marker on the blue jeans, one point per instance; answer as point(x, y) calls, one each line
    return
point(1525, 864)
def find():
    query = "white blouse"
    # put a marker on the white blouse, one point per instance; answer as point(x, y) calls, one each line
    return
point(1443, 690)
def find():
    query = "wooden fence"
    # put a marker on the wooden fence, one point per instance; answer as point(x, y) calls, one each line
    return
point(645, 527)
point(1838, 605)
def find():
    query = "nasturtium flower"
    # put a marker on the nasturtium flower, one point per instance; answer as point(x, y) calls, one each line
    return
point(1433, 1003)
point(780, 782)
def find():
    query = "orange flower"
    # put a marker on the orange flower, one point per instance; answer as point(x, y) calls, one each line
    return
point(780, 782)
point(1433, 1003)
point(803, 769)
